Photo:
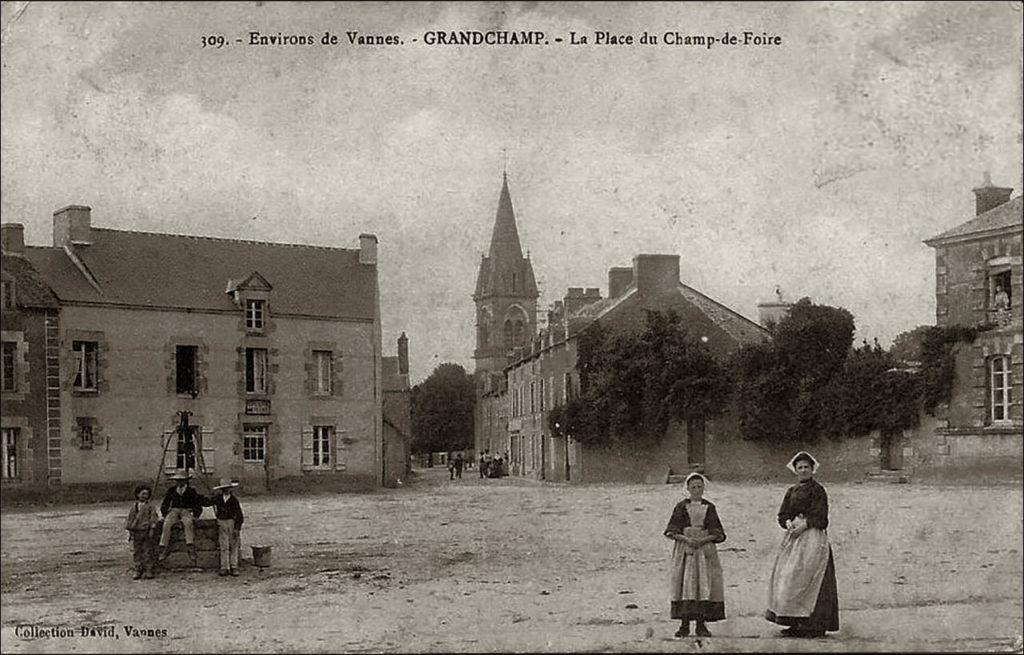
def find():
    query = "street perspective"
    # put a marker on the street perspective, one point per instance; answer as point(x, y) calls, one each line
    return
point(500, 327)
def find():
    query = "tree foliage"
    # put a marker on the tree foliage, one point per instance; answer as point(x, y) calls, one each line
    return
point(782, 384)
point(808, 382)
point(632, 385)
point(938, 365)
point(906, 347)
point(442, 410)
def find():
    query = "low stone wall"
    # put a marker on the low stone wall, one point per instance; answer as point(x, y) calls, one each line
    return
point(207, 546)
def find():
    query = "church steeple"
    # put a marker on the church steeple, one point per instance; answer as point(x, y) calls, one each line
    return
point(506, 291)
point(505, 236)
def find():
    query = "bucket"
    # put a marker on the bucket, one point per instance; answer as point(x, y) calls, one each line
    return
point(261, 556)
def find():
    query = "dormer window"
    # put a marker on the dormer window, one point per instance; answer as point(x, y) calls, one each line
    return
point(251, 295)
point(254, 314)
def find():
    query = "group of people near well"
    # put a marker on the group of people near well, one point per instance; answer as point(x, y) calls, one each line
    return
point(802, 592)
point(182, 504)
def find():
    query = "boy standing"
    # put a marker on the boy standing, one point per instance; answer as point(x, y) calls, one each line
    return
point(141, 525)
point(229, 525)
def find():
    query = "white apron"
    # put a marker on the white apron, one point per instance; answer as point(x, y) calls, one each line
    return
point(798, 572)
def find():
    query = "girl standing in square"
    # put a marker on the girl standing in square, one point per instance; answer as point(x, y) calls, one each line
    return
point(697, 592)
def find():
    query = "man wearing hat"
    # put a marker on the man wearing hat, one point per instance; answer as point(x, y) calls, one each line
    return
point(181, 503)
point(229, 524)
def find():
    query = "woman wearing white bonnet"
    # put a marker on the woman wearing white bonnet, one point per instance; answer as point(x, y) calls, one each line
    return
point(802, 591)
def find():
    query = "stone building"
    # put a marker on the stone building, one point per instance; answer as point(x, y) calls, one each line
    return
point(397, 415)
point(544, 375)
point(978, 275)
point(29, 411)
point(274, 349)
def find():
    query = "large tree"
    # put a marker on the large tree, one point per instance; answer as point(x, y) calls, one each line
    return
point(442, 410)
point(634, 384)
point(782, 385)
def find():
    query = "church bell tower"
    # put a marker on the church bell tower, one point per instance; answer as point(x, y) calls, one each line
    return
point(506, 293)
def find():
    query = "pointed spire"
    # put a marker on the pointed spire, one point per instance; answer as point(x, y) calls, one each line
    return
point(505, 237)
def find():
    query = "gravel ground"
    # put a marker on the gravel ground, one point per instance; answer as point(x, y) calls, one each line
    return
point(510, 565)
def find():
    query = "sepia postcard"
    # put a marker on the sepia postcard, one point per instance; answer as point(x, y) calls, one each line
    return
point(511, 327)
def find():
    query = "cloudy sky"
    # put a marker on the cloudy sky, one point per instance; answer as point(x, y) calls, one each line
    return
point(818, 165)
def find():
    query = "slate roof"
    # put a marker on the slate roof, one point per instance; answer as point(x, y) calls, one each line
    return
point(1008, 214)
point(732, 323)
point(30, 289)
point(145, 269)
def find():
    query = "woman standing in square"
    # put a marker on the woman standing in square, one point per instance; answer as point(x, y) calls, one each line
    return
point(802, 591)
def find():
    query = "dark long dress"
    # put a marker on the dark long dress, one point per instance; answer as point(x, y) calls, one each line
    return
point(809, 498)
point(697, 592)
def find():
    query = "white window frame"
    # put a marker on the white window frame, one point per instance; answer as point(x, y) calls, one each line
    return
point(258, 360)
point(1000, 388)
point(323, 360)
point(323, 446)
point(9, 446)
point(255, 314)
point(254, 443)
point(9, 379)
point(87, 374)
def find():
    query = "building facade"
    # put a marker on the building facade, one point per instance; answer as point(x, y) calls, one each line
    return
point(29, 393)
point(272, 350)
point(978, 274)
point(397, 416)
point(546, 375)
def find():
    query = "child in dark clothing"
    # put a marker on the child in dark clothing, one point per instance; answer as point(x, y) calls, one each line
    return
point(229, 525)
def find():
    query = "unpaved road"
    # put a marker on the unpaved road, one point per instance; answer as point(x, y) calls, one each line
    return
point(507, 565)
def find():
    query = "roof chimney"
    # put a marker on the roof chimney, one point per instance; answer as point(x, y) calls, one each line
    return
point(403, 355)
point(12, 238)
point(619, 279)
point(72, 226)
point(656, 273)
point(576, 298)
point(988, 197)
point(367, 248)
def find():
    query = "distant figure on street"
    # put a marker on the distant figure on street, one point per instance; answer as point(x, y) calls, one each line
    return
point(229, 524)
point(697, 591)
point(141, 525)
point(802, 591)
point(495, 467)
point(485, 464)
point(181, 503)
point(451, 467)
point(459, 463)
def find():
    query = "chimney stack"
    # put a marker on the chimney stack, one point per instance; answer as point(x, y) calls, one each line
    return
point(655, 274)
point(367, 248)
point(988, 197)
point(72, 226)
point(12, 238)
point(619, 279)
point(576, 298)
point(403, 355)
